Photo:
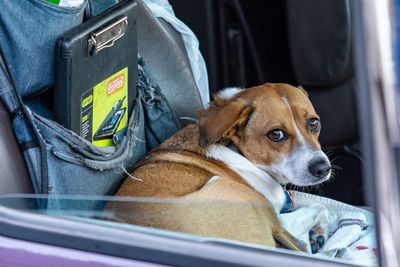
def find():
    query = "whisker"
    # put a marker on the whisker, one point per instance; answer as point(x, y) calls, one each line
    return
point(332, 178)
point(311, 188)
point(336, 167)
point(329, 151)
point(335, 158)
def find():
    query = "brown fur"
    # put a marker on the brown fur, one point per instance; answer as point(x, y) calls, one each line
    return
point(227, 208)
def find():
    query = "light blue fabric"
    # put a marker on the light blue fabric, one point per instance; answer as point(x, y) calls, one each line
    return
point(76, 167)
point(349, 232)
point(62, 163)
point(59, 161)
point(28, 33)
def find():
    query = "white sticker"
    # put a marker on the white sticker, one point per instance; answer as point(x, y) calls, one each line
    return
point(71, 3)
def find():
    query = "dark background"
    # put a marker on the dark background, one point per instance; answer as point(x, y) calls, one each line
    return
point(250, 42)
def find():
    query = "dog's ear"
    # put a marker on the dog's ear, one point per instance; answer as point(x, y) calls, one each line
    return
point(221, 120)
point(303, 90)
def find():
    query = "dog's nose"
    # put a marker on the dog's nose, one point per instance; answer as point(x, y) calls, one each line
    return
point(319, 168)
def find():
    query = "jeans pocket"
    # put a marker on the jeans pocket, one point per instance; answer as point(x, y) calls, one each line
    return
point(28, 33)
point(76, 167)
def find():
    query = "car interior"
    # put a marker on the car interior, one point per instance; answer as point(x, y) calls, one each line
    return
point(301, 43)
point(246, 43)
point(280, 49)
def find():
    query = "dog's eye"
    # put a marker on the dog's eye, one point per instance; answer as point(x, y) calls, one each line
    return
point(277, 135)
point(314, 125)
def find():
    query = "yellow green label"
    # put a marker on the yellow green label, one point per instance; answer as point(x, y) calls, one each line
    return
point(87, 101)
point(104, 109)
point(85, 118)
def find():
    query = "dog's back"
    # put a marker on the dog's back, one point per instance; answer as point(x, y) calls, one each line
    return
point(198, 195)
point(222, 209)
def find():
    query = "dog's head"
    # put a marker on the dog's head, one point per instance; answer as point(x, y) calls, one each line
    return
point(274, 126)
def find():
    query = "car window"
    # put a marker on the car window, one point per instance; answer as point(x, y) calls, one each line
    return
point(292, 176)
point(144, 220)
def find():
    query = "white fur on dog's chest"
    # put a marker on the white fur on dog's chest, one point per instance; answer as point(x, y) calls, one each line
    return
point(258, 179)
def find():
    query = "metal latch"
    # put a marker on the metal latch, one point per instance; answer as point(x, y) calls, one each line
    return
point(106, 36)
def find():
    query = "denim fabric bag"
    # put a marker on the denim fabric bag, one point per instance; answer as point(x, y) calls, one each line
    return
point(59, 161)
point(76, 167)
point(62, 163)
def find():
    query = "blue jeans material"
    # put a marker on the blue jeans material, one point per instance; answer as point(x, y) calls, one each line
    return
point(28, 33)
point(59, 161)
point(66, 164)
point(76, 167)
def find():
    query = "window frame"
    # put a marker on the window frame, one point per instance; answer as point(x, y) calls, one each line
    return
point(141, 246)
point(379, 129)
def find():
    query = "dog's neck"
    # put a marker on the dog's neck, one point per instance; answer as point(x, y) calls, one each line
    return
point(258, 179)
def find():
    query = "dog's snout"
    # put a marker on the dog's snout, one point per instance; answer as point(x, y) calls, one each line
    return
point(319, 168)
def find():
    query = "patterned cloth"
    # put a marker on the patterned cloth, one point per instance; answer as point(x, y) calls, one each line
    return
point(333, 229)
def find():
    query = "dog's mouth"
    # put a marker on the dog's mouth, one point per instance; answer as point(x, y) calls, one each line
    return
point(279, 178)
point(313, 182)
point(301, 177)
point(271, 171)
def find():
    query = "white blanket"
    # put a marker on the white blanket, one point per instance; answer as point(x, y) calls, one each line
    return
point(348, 231)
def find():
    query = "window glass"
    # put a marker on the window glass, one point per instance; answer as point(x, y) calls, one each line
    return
point(275, 167)
point(346, 232)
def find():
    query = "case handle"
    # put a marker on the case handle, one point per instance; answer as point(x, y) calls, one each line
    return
point(106, 37)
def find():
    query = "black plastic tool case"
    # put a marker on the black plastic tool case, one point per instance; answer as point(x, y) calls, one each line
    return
point(79, 65)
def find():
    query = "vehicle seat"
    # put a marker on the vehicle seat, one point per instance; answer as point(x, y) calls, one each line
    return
point(320, 47)
point(167, 63)
point(320, 43)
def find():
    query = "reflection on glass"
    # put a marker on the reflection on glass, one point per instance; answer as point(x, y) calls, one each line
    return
point(324, 227)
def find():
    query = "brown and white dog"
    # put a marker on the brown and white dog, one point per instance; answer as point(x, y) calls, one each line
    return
point(225, 175)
